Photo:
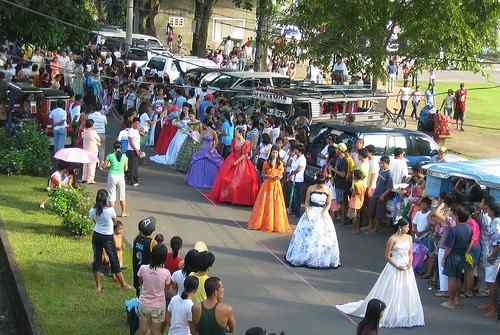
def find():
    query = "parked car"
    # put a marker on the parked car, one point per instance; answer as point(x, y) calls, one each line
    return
point(441, 177)
point(177, 66)
point(141, 56)
point(203, 74)
point(419, 147)
point(248, 80)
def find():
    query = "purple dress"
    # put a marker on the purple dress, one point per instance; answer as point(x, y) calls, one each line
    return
point(205, 165)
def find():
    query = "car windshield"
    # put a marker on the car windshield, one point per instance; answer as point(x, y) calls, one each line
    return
point(157, 64)
point(137, 54)
point(223, 81)
point(154, 44)
point(209, 77)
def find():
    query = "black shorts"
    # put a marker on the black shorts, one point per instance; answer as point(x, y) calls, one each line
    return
point(455, 266)
point(458, 115)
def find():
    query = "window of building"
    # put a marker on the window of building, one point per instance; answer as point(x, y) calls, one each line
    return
point(176, 21)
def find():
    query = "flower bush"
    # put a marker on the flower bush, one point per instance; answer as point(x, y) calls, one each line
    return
point(27, 152)
point(73, 205)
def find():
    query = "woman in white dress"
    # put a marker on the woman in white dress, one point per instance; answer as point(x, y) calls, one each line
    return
point(175, 145)
point(396, 285)
point(314, 243)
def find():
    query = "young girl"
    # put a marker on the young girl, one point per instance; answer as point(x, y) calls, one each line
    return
point(179, 316)
point(264, 151)
point(356, 200)
point(173, 260)
point(154, 279)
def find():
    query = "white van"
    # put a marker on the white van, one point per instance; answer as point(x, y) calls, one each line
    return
point(115, 40)
point(174, 67)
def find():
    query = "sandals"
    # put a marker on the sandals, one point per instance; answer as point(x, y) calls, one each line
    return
point(441, 294)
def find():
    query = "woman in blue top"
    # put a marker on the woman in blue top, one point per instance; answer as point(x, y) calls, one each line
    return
point(227, 133)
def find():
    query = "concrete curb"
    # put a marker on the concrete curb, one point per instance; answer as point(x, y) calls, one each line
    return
point(22, 306)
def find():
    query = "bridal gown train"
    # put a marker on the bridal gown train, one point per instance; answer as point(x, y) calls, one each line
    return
point(398, 290)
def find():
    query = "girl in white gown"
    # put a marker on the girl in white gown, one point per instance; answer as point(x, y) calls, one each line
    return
point(314, 243)
point(396, 285)
point(175, 145)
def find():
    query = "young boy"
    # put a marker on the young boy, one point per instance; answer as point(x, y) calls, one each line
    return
point(118, 237)
point(142, 247)
point(422, 230)
point(356, 199)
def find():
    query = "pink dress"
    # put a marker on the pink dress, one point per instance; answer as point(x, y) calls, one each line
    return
point(91, 143)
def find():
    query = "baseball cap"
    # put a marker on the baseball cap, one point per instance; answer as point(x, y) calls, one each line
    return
point(341, 146)
point(147, 225)
point(200, 246)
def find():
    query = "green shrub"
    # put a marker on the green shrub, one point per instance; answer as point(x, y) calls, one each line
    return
point(27, 152)
point(78, 224)
point(73, 205)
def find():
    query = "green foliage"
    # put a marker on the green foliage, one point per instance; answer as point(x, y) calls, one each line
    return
point(361, 30)
point(21, 24)
point(73, 205)
point(78, 224)
point(116, 12)
point(27, 152)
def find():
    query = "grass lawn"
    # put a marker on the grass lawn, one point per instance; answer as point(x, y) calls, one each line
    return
point(482, 104)
point(56, 267)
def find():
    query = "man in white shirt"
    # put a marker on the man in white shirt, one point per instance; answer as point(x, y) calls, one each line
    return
point(76, 109)
point(323, 155)
point(404, 95)
point(134, 153)
point(58, 118)
point(398, 167)
point(100, 122)
point(295, 183)
point(339, 71)
point(373, 169)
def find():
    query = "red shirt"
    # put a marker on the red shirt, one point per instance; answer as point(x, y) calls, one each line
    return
point(476, 232)
point(461, 96)
point(171, 263)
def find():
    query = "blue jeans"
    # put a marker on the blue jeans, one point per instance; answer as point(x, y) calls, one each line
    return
point(59, 139)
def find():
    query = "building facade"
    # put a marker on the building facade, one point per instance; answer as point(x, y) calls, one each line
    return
point(226, 20)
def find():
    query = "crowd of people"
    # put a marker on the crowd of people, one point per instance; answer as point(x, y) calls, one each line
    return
point(255, 160)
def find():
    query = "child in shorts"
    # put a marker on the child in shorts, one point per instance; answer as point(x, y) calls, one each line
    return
point(356, 200)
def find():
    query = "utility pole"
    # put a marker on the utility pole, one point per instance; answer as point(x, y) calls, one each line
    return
point(130, 23)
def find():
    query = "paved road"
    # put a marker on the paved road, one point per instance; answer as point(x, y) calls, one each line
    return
point(262, 289)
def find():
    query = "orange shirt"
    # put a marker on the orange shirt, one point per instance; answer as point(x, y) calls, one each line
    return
point(357, 197)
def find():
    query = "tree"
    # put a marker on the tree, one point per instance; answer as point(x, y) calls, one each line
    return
point(148, 10)
point(116, 12)
point(264, 15)
point(434, 33)
point(19, 24)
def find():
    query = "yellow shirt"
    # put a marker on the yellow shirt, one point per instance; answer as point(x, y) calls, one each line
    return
point(200, 294)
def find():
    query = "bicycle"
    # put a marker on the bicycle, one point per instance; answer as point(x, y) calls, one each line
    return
point(394, 119)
